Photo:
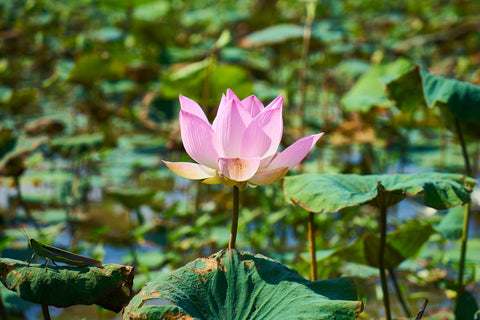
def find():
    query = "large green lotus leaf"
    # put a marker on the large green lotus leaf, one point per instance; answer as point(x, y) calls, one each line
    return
point(332, 192)
point(368, 90)
point(403, 243)
point(190, 82)
point(63, 286)
point(417, 87)
point(240, 285)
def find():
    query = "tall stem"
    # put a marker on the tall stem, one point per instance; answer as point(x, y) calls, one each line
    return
point(399, 293)
point(463, 250)
point(466, 216)
point(236, 207)
point(46, 314)
point(381, 261)
point(307, 34)
point(313, 248)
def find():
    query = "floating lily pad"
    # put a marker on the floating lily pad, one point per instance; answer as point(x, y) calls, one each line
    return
point(63, 286)
point(240, 285)
point(327, 193)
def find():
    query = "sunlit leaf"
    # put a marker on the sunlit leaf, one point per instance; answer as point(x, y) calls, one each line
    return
point(274, 34)
point(239, 285)
point(190, 82)
point(368, 90)
point(328, 193)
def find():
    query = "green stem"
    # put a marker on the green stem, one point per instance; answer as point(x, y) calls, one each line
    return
point(463, 250)
point(422, 310)
point(466, 216)
point(381, 261)
point(236, 206)
point(46, 314)
point(307, 34)
point(399, 293)
point(313, 249)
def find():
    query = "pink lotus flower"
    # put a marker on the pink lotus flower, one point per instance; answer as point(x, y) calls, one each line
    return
point(240, 145)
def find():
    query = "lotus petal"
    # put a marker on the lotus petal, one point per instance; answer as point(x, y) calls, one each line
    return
point(238, 169)
point(190, 170)
point(294, 154)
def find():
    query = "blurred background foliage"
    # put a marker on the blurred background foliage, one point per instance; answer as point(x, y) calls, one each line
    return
point(89, 104)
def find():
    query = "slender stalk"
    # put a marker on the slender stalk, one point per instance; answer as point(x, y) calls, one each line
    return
point(466, 216)
point(313, 249)
point(307, 34)
point(464, 147)
point(46, 314)
point(236, 206)
point(463, 250)
point(399, 293)
point(381, 261)
point(422, 310)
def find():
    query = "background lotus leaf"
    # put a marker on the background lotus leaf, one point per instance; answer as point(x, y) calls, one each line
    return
point(240, 285)
point(327, 193)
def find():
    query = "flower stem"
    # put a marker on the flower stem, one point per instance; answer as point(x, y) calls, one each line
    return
point(313, 249)
point(236, 206)
point(381, 261)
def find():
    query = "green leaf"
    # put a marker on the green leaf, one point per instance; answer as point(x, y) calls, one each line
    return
point(368, 90)
point(190, 82)
point(239, 285)
point(451, 225)
point(63, 286)
point(417, 87)
point(92, 68)
point(403, 243)
point(272, 35)
point(328, 193)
